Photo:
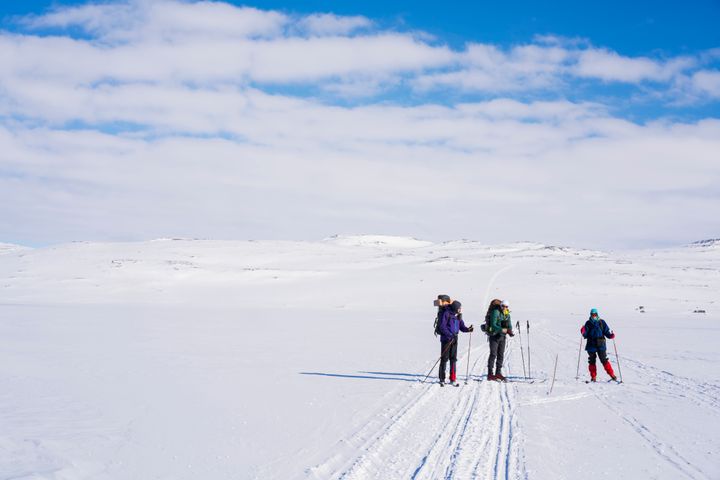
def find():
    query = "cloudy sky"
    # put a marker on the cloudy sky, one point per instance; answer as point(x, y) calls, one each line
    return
point(132, 120)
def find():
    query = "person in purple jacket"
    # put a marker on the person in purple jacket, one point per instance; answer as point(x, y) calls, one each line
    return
point(449, 325)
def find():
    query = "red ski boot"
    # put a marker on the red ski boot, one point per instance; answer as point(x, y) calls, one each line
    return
point(593, 372)
point(609, 370)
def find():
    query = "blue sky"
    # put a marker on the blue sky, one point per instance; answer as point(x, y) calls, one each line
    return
point(634, 28)
point(135, 120)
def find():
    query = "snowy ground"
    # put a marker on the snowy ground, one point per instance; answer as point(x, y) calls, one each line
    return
point(180, 359)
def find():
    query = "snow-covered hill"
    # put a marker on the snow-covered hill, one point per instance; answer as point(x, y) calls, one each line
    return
point(182, 358)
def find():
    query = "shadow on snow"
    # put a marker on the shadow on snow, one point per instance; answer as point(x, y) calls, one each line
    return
point(398, 377)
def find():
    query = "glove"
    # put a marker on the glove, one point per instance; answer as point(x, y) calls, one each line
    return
point(510, 332)
point(471, 328)
point(612, 335)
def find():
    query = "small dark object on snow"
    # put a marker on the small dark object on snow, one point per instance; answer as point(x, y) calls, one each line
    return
point(699, 311)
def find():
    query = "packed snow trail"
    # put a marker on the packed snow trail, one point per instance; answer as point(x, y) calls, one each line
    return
point(452, 432)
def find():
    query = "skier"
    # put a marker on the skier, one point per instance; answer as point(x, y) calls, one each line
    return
point(499, 325)
point(596, 330)
point(449, 325)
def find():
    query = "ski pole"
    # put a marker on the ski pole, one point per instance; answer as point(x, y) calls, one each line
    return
point(617, 357)
point(577, 374)
point(528, 332)
point(554, 371)
point(522, 355)
point(438, 360)
point(467, 370)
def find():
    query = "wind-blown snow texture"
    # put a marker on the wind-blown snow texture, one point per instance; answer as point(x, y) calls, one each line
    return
point(195, 359)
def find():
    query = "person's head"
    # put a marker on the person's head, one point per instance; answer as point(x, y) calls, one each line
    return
point(504, 306)
point(456, 307)
point(594, 314)
point(442, 301)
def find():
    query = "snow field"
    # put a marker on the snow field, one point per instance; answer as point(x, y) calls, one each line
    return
point(198, 359)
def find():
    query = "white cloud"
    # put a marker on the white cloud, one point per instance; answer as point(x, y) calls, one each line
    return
point(167, 20)
point(177, 41)
point(707, 82)
point(329, 24)
point(487, 68)
point(610, 66)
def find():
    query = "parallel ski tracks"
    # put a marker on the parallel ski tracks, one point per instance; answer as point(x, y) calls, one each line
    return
point(465, 433)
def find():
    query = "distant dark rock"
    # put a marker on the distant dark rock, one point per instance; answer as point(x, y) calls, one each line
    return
point(710, 242)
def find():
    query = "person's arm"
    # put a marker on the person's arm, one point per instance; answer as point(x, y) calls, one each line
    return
point(465, 329)
point(509, 324)
point(607, 332)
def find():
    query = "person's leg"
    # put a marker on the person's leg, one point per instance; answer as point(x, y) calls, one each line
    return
point(500, 356)
point(453, 361)
point(492, 355)
point(606, 364)
point(591, 365)
point(444, 355)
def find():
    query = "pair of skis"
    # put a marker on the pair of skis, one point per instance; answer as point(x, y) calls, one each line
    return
point(454, 384)
point(617, 359)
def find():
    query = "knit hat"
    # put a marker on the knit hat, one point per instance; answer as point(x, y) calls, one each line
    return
point(455, 306)
point(593, 312)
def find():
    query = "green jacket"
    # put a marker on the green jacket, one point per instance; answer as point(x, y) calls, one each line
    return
point(498, 321)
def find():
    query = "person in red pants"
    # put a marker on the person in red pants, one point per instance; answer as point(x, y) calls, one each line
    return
point(596, 330)
point(449, 325)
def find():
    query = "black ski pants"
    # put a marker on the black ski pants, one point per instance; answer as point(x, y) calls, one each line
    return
point(600, 353)
point(497, 353)
point(448, 351)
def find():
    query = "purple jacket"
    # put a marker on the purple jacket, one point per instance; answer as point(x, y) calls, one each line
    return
point(450, 325)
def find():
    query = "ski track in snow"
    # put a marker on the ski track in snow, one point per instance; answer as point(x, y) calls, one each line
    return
point(451, 432)
point(663, 449)
point(665, 383)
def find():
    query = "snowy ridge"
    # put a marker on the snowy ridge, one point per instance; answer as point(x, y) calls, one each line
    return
point(11, 248)
point(386, 241)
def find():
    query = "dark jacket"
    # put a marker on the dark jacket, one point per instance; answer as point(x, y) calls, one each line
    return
point(450, 324)
point(596, 331)
point(498, 321)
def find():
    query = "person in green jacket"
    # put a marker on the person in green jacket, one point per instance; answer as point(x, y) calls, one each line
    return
point(499, 325)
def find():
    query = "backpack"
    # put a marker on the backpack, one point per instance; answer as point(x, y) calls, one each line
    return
point(485, 327)
point(438, 316)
